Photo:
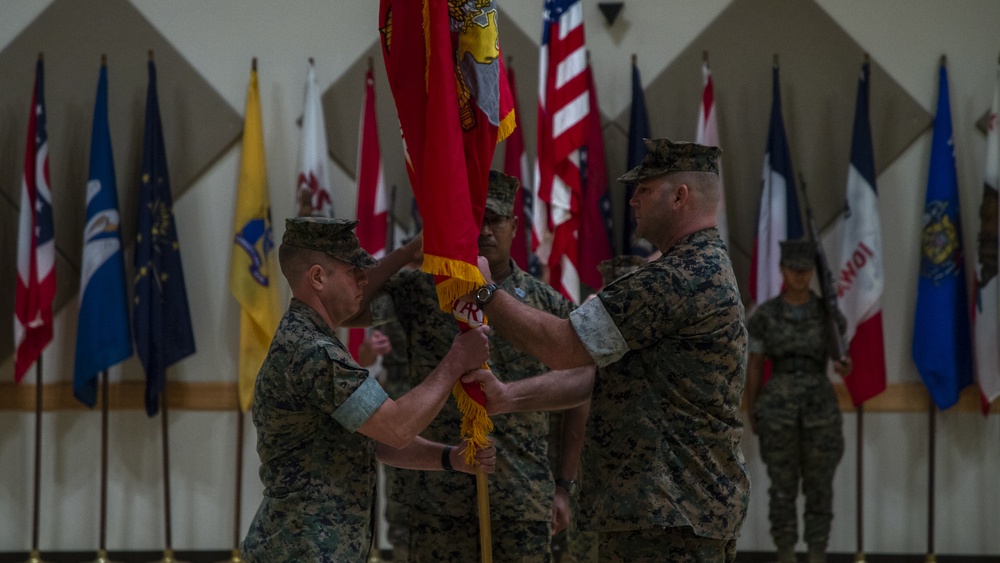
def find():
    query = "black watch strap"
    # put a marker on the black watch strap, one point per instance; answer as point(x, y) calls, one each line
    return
point(485, 294)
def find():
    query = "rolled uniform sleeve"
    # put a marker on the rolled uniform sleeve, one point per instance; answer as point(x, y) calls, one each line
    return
point(360, 405)
point(598, 332)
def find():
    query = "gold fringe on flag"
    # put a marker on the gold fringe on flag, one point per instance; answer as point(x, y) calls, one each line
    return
point(463, 278)
point(476, 424)
point(507, 125)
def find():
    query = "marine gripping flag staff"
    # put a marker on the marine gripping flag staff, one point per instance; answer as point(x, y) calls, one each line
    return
point(860, 278)
point(252, 269)
point(313, 196)
point(942, 345)
point(448, 80)
point(987, 307)
point(103, 338)
point(372, 209)
point(161, 317)
point(779, 217)
point(36, 246)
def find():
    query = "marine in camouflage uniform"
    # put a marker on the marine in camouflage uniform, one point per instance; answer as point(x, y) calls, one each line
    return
point(664, 475)
point(398, 481)
point(796, 414)
point(443, 506)
point(310, 400)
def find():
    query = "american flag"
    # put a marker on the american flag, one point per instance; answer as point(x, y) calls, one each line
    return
point(563, 107)
point(36, 250)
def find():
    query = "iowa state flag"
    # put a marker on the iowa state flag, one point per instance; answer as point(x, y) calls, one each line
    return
point(36, 245)
point(102, 338)
point(860, 278)
point(779, 217)
point(942, 345)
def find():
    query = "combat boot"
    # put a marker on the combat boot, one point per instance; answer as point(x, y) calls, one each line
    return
point(785, 555)
point(817, 555)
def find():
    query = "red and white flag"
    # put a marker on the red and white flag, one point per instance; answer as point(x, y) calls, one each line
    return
point(372, 210)
point(708, 134)
point(986, 312)
point(36, 247)
point(515, 163)
point(563, 108)
point(313, 196)
point(859, 275)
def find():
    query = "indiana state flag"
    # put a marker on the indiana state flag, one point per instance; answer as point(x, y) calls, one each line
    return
point(942, 342)
point(102, 336)
point(161, 318)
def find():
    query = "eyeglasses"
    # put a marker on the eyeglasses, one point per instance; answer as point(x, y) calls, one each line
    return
point(495, 221)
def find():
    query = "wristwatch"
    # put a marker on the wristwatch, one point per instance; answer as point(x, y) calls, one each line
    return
point(566, 484)
point(485, 294)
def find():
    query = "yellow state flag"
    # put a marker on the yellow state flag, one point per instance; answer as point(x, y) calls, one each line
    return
point(252, 279)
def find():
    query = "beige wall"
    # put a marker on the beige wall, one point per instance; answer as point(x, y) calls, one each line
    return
point(219, 37)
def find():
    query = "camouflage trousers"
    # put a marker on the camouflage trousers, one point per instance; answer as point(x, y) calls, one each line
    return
point(397, 515)
point(800, 454)
point(573, 546)
point(656, 545)
point(447, 539)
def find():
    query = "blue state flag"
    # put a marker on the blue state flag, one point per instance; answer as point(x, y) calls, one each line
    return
point(942, 344)
point(102, 336)
point(638, 129)
point(161, 318)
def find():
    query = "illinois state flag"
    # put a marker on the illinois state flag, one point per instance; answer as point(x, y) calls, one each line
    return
point(313, 196)
point(779, 217)
point(252, 269)
point(103, 337)
point(36, 246)
point(860, 278)
point(987, 306)
point(942, 345)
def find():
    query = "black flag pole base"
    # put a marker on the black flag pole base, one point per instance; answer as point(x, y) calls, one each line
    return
point(233, 558)
point(102, 557)
point(168, 557)
point(35, 557)
point(859, 557)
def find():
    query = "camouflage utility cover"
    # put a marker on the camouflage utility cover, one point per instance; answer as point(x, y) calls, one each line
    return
point(665, 156)
point(318, 473)
point(522, 486)
point(335, 237)
point(662, 446)
point(799, 254)
point(501, 193)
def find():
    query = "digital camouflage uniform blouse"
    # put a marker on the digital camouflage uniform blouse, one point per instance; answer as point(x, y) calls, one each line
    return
point(318, 472)
point(662, 446)
point(522, 486)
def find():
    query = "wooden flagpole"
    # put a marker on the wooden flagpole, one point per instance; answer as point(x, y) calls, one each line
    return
point(102, 551)
point(168, 551)
point(36, 556)
point(235, 555)
point(931, 557)
point(859, 556)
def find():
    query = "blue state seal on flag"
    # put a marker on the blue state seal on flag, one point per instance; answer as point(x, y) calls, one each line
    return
point(939, 243)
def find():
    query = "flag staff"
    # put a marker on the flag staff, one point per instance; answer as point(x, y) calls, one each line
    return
point(859, 557)
point(102, 551)
point(35, 556)
point(238, 484)
point(931, 557)
point(168, 551)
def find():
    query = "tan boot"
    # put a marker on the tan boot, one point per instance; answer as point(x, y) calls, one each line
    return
point(785, 555)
